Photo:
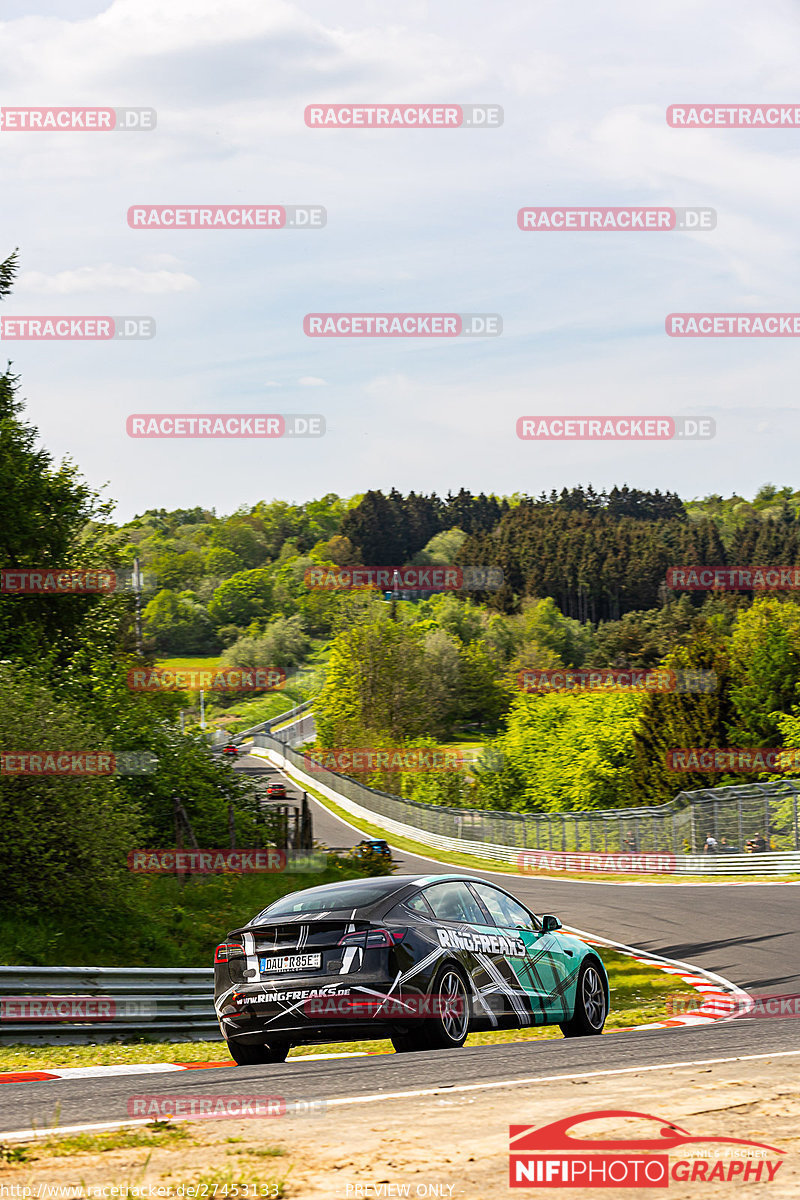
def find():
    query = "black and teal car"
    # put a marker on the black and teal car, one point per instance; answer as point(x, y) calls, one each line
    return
point(373, 846)
point(421, 959)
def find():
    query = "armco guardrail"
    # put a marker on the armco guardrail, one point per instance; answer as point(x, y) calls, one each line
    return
point(266, 726)
point(505, 836)
point(78, 1005)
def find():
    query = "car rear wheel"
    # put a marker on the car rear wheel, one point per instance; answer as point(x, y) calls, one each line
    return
point(448, 1028)
point(259, 1052)
point(591, 1008)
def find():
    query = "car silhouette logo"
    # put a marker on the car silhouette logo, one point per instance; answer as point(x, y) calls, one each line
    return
point(525, 1138)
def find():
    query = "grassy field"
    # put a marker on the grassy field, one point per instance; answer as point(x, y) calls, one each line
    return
point(190, 664)
point(234, 714)
point(162, 921)
point(638, 996)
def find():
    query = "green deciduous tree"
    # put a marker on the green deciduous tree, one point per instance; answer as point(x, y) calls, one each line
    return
point(283, 644)
point(64, 837)
point(564, 751)
point(245, 597)
point(765, 668)
point(178, 624)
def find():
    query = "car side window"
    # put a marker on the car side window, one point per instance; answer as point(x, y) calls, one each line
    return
point(416, 904)
point(505, 912)
point(454, 901)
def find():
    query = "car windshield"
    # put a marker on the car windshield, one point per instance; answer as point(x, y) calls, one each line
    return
point(328, 898)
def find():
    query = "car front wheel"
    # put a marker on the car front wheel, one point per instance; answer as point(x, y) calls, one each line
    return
point(591, 1008)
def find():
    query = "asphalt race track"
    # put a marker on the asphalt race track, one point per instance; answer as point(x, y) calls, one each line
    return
point(749, 934)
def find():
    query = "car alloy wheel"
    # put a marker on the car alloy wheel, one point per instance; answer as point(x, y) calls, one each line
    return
point(448, 1029)
point(452, 997)
point(590, 1004)
point(594, 998)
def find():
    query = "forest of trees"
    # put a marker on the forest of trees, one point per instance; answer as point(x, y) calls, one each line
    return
point(215, 579)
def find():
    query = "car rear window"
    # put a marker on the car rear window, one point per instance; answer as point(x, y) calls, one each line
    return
point(330, 898)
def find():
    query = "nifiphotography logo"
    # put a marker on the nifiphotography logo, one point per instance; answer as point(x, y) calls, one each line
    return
point(552, 1157)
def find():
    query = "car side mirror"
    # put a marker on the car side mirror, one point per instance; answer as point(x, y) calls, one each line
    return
point(550, 923)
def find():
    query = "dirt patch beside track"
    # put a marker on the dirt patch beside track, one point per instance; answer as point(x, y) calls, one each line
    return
point(456, 1144)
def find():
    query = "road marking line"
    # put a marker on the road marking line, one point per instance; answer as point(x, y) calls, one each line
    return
point(476, 1087)
point(18, 1135)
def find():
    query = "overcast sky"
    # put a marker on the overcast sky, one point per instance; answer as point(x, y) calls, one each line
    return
point(418, 221)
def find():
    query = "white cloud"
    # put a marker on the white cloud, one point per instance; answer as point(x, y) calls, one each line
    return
point(107, 277)
point(417, 221)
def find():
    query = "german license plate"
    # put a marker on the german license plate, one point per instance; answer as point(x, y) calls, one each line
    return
point(291, 962)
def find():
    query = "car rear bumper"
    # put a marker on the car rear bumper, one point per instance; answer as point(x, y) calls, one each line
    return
point(325, 1013)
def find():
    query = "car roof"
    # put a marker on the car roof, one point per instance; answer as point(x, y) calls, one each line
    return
point(388, 888)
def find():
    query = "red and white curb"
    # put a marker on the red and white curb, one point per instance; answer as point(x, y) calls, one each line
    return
point(99, 1072)
point(719, 1000)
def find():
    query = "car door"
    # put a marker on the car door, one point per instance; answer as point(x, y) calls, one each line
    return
point(545, 973)
point(493, 957)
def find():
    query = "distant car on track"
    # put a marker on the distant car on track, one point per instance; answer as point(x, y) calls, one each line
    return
point(230, 751)
point(421, 959)
point(373, 846)
point(276, 791)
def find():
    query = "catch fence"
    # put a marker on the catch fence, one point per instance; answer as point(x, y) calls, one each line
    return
point(747, 821)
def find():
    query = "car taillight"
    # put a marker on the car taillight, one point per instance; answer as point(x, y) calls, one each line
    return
point(373, 938)
point(228, 950)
